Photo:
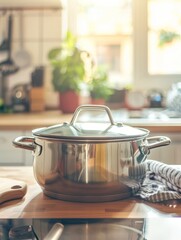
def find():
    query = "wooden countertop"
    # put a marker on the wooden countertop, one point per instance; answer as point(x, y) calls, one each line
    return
point(36, 205)
point(30, 121)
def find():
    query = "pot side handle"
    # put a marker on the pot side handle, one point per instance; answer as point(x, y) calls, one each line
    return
point(25, 143)
point(157, 141)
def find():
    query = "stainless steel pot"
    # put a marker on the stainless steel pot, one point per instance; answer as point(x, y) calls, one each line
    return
point(90, 160)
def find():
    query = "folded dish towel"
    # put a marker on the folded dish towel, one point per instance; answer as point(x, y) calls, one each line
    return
point(162, 182)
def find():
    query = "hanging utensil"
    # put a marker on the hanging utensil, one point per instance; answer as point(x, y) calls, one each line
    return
point(8, 67)
point(4, 37)
point(22, 58)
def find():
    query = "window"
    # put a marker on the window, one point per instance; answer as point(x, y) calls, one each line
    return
point(164, 42)
point(104, 27)
point(138, 40)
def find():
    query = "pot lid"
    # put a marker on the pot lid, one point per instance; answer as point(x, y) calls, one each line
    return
point(90, 127)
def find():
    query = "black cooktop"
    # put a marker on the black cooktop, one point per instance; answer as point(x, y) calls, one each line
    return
point(92, 229)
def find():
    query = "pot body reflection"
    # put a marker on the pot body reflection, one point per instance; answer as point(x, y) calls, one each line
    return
point(89, 171)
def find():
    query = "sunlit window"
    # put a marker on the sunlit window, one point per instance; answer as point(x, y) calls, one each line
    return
point(164, 41)
point(104, 28)
point(137, 40)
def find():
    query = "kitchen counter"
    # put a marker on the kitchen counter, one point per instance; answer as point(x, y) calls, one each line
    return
point(36, 205)
point(29, 121)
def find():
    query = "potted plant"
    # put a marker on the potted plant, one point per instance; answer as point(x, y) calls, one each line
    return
point(166, 37)
point(99, 88)
point(68, 72)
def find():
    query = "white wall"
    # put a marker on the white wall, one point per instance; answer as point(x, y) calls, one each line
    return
point(42, 30)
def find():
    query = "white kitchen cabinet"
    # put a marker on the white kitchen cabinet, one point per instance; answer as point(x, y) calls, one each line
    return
point(11, 156)
point(28, 156)
point(170, 154)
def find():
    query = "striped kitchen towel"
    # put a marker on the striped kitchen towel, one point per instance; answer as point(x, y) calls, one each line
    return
point(162, 182)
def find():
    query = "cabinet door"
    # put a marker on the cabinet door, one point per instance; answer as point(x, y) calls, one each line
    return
point(28, 156)
point(171, 154)
point(155, 154)
point(168, 154)
point(9, 155)
point(178, 153)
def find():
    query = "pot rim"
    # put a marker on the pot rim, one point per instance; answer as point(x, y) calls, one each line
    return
point(80, 130)
point(90, 139)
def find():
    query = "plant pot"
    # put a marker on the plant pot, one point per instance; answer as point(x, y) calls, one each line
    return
point(68, 101)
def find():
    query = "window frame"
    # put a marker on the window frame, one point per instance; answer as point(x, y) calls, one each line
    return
point(141, 78)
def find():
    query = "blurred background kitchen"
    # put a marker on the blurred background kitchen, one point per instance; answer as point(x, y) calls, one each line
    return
point(137, 41)
point(29, 29)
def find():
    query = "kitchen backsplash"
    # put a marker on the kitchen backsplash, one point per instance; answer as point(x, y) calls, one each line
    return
point(41, 31)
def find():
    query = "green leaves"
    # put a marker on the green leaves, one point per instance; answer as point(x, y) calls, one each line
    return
point(53, 54)
point(167, 37)
point(68, 67)
point(99, 86)
point(71, 66)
